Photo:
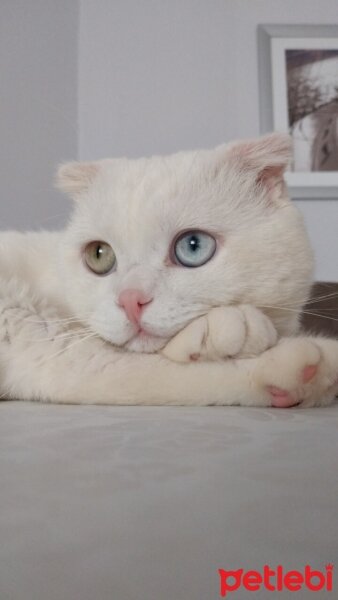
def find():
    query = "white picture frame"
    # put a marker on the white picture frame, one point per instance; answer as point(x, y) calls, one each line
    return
point(286, 52)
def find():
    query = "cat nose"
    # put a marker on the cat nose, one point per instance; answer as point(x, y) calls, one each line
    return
point(133, 302)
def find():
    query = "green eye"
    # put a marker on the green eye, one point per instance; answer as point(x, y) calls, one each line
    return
point(194, 248)
point(100, 257)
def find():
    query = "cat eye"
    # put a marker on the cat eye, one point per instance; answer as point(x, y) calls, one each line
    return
point(99, 257)
point(194, 248)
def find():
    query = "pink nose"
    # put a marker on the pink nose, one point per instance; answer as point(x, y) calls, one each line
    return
point(133, 301)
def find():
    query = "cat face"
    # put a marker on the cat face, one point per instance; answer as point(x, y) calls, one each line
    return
point(154, 243)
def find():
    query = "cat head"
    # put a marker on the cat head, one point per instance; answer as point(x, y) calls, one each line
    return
point(156, 242)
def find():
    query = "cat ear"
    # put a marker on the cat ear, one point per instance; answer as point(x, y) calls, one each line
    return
point(74, 178)
point(265, 159)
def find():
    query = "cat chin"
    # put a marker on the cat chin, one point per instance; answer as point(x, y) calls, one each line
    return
point(145, 343)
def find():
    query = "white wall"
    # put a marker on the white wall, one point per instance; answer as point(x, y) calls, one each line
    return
point(38, 108)
point(158, 76)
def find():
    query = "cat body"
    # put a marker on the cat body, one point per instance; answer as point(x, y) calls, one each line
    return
point(115, 309)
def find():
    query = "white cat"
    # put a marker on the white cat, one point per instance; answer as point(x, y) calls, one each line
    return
point(179, 280)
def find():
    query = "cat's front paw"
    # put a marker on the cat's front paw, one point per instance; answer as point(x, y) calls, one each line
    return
point(224, 332)
point(299, 372)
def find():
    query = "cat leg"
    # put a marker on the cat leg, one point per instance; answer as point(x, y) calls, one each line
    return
point(231, 331)
point(299, 371)
point(91, 371)
point(43, 359)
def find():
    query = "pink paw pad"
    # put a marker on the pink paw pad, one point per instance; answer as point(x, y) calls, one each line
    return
point(195, 357)
point(309, 373)
point(281, 398)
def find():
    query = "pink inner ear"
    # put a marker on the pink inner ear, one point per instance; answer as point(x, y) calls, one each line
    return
point(270, 176)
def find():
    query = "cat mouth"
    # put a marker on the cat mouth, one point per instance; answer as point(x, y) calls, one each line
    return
point(143, 334)
point(145, 341)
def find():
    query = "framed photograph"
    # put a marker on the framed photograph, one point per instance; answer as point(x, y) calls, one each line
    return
point(298, 86)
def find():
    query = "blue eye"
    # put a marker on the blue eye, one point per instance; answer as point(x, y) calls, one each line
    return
point(194, 248)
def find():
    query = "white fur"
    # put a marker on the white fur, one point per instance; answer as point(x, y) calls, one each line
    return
point(224, 332)
point(233, 306)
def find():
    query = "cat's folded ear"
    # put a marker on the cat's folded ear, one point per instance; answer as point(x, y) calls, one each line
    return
point(74, 178)
point(264, 160)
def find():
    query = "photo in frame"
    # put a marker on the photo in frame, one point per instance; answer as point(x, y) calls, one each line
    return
point(298, 89)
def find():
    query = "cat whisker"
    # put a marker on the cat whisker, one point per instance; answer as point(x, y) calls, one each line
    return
point(64, 213)
point(322, 298)
point(7, 393)
point(62, 336)
point(315, 299)
point(67, 320)
point(307, 312)
point(68, 347)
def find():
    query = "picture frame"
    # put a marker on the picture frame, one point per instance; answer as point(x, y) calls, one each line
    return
point(298, 93)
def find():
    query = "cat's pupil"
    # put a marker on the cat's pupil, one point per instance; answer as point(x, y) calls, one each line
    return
point(194, 248)
point(99, 252)
point(194, 243)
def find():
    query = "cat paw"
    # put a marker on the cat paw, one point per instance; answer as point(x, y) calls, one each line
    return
point(224, 332)
point(260, 334)
point(299, 372)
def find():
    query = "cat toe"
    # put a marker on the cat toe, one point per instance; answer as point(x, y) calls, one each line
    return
point(300, 372)
point(309, 372)
point(281, 398)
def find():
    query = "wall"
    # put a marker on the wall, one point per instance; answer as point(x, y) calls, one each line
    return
point(160, 76)
point(38, 116)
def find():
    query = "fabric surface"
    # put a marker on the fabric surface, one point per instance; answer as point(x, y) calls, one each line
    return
point(143, 503)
